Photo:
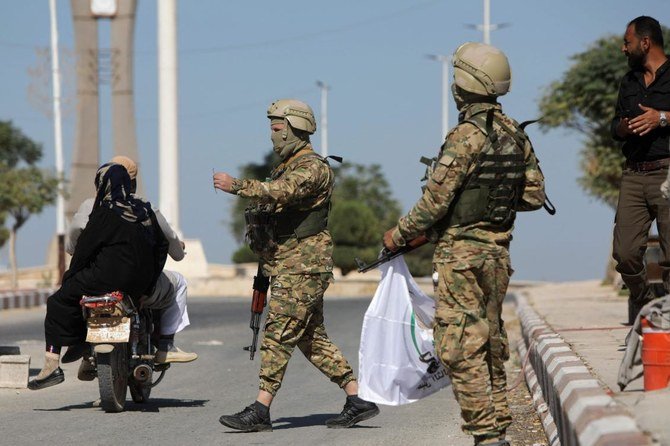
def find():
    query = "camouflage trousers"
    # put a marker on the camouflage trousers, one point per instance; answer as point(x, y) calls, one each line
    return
point(471, 341)
point(295, 318)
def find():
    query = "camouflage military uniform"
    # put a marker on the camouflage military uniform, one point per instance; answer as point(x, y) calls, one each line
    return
point(300, 271)
point(473, 269)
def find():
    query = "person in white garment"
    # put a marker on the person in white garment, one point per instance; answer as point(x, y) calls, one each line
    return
point(170, 292)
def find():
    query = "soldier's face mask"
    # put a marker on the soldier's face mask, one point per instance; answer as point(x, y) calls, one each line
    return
point(464, 98)
point(458, 97)
point(286, 141)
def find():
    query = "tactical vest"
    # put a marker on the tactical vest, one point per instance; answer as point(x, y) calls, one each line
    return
point(266, 228)
point(492, 190)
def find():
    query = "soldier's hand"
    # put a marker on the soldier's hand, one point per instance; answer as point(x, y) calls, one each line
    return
point(646, 122)
point(223, 181)
point(388, 240)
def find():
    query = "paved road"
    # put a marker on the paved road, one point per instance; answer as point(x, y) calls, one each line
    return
point(185, 408)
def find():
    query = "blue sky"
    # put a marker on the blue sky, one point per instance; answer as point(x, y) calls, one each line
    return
point(384, 106)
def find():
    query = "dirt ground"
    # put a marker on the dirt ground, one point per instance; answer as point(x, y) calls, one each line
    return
point(526, 430)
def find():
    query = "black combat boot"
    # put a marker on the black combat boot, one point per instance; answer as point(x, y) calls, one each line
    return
point(254, 418)
point(484, 440)
point(355, 410)
point(638, 289)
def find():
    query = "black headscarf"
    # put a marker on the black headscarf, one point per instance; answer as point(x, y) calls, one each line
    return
point(114, 191)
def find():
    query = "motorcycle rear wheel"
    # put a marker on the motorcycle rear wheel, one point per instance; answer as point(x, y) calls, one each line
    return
point(113, 378)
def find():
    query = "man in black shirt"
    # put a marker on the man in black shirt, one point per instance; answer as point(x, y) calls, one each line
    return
point(641, 122)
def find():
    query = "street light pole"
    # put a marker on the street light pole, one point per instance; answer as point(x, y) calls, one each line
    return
point(58, 138)
point(168, 138)
point(445, 60)
point(486, 27)
point(324, 117)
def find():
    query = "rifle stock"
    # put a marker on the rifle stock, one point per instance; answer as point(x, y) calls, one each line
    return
point(387, 255)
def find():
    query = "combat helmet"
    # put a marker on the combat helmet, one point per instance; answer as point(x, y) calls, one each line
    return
point(297, 113)
point(481, 69)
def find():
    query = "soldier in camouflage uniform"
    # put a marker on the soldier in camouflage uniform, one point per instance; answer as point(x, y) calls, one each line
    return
point(485, 172)
point(287, 228)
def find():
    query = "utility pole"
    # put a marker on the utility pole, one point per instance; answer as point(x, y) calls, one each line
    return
point(324, 117)
point(445, 60)
point(486, 27)
point(168, 137)
point(58, 138)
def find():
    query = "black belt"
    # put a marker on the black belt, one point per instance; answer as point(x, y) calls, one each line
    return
point(645, 166)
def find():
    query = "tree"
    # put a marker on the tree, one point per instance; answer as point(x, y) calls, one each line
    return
point(584, 100)
point(356, 233)
point(363, 208)
point(24, 192)
point(16, 147)
point(24, 189)
point(368, 185)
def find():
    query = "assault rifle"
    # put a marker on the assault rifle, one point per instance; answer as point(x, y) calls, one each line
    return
point(258, 301)
point(386, 254)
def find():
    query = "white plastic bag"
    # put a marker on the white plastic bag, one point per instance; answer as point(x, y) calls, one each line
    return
point(397, 361)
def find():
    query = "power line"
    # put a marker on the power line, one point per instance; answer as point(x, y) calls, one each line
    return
point(274, 42)
point(22, 46)
point(311, 35)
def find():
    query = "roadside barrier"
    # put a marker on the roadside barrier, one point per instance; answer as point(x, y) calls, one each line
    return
point(24, 298)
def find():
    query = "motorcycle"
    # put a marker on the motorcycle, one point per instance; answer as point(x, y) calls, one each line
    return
point(122, 351)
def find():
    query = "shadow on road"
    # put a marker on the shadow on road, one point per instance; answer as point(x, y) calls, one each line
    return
point(153, 405)
point(309, 420)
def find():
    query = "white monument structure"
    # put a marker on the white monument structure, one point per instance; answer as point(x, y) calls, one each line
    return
point(115, 67)
point(194, 264)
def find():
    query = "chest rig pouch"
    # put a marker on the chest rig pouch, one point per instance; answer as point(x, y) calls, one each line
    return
point(494, 187)
point(267, 228)
point(302, 223)
point(261, 232)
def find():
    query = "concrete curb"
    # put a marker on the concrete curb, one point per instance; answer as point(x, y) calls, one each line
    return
point(541, 406)
point(10, 300)
point(583, 412)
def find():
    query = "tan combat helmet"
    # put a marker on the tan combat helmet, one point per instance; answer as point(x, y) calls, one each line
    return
point(481, 69)
point(297, 113)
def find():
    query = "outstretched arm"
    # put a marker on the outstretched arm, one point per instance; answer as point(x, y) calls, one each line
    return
point(302, 182)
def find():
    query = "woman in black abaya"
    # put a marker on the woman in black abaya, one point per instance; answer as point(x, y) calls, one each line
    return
point(121, 249)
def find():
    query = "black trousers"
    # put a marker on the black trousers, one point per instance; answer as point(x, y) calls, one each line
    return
point(640, 203)
point(64, 322)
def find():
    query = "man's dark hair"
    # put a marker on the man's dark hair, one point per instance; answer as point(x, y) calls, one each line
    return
point(646, 26)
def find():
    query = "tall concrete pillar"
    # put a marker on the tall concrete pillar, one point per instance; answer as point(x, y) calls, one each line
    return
point(85, 155)
point(123, 104)
point(168, 137)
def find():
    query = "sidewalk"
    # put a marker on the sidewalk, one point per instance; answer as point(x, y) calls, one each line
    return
point(575, 338)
